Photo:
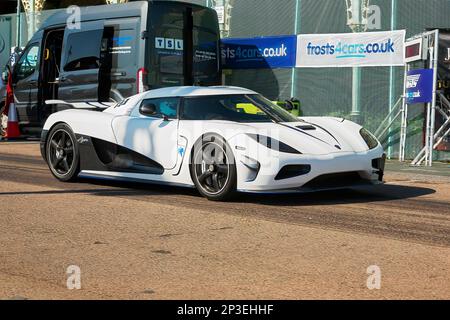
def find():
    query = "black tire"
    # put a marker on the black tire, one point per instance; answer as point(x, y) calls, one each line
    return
point(213, 168)
point(62, 153)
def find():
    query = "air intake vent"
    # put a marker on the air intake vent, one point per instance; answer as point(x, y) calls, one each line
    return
point(379, 163)
point(307, 127)
point(335, 180)
point(292, 171)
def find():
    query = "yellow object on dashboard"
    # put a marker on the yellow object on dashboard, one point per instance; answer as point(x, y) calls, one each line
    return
point(248, 108)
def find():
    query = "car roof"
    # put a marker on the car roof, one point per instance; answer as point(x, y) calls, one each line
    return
point(194, 92)
point(130, 103)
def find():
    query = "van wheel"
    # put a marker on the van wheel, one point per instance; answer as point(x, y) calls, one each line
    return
point(213, 168)
point(63, 157)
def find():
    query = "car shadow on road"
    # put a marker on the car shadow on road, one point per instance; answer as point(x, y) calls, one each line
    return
point(341, 196)
point(377, 193)
point(106, 187)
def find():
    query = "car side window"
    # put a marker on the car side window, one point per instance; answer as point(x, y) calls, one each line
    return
point(28, 62)
point(165, 106)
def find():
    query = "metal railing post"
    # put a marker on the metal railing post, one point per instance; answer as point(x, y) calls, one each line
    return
point(18, 22)
point(433, 103)
point(404, 124)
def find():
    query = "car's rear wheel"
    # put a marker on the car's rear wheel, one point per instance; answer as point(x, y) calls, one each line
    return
point(213, 168)
point(62, 153)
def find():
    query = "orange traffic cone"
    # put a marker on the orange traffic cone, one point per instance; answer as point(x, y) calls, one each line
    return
point(12, 131)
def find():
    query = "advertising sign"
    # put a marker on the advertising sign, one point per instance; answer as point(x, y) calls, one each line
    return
point(414, 50)
point(220, 13)
point(259, 53)
point(366, 49)
point(419, 86)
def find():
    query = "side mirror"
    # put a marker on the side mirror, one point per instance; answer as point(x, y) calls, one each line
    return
point(288, 106)
point(148, 109)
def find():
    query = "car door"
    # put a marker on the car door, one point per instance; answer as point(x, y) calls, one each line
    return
point(25, 84)
point(155, 137)
point(80, 62)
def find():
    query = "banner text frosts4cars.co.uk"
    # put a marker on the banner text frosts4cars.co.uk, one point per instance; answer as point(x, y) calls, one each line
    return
point(259, 53)
point(351, 49)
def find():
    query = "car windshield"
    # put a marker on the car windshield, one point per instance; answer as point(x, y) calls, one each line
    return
point(237, 108)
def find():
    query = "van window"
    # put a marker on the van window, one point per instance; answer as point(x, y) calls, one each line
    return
point(205, 47)
point(83, 51)
point(28, 62)
point(171, 62)
point(205, 56)
point(119, 48)
point(119, 59)
point(169, 45)
point(183, 45)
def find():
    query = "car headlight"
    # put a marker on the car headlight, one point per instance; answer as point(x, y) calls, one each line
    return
point(369, 138)
point(273, 144)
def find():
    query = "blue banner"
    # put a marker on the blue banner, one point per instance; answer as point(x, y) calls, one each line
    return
point(259, 53)
point(419, 86)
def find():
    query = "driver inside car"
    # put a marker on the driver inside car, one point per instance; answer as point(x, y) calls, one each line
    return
point(168, 109)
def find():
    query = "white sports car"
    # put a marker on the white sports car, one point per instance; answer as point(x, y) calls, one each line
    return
point(218, 139)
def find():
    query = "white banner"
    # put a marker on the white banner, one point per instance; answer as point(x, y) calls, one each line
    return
point(367, 49)
point(220, 13)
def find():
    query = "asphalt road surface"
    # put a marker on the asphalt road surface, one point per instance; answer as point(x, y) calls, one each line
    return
point(140, 241)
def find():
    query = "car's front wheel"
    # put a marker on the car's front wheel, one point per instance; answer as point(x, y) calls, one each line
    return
point(62, 153)
point(213, 168)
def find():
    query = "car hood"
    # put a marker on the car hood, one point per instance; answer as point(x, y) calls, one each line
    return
point(316, 136)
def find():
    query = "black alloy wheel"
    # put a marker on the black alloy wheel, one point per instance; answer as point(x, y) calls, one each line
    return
point(62, 153)
point(213, 169)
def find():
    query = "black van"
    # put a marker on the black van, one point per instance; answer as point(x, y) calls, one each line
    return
point(115, 52)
